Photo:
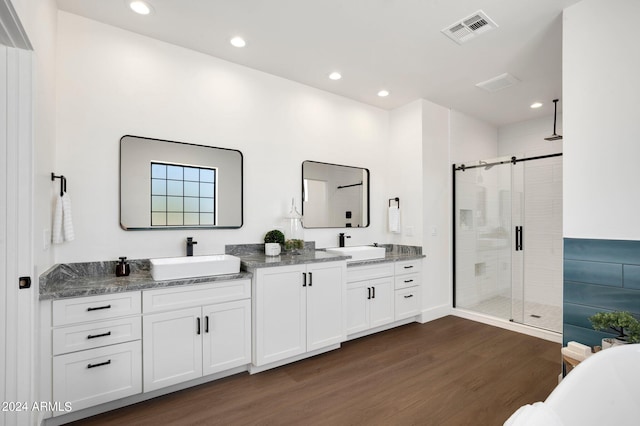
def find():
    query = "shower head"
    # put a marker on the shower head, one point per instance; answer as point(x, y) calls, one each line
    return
point(488, 166)
point(554, 136)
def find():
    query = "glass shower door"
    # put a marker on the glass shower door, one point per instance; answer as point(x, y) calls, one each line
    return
point(537, 290)
point(484, 237)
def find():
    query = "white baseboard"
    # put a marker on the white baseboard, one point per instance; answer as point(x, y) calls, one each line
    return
point(434, 313)
point(258, 369)
point(552, 336)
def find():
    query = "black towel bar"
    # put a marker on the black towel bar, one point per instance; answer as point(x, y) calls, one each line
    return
point(63, 182)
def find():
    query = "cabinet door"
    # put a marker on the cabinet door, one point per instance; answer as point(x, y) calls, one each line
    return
point(325, 304)
point(381, 305)
point(172, 347)
point(226, 336)
point(357, 306)
point(280, 324)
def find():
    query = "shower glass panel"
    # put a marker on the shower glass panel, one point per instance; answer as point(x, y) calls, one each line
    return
point(541, 300)
point(508, 239)
point(484, 237)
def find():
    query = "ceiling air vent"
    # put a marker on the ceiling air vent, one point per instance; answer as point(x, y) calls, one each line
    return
point(470, 27)
point(498, 83)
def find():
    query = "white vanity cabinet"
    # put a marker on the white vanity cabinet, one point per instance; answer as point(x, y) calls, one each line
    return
point(370, 296)
point(194, 331)
point(96, 349)
point(408, 282)
point(298, 309)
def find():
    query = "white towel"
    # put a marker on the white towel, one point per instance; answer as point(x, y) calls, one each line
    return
point(62, 221)
point(394, 219)
point(538, 414)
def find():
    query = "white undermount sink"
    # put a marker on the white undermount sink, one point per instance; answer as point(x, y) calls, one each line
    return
point(173, 268)
point(359, 252)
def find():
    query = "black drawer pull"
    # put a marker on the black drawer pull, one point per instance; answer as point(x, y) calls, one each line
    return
point(406, 297)
point(98, 308)
point(408, 281)
point(99, 364)
point(93, 336)
point(408, 267)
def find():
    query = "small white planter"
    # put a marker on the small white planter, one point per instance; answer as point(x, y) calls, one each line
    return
point(272, 249)
point(611, 342)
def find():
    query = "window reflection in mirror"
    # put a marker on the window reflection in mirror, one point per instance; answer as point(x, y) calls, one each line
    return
point(176, 185)
point(334, 196)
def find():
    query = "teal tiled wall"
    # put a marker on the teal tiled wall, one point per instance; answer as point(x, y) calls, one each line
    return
point(599, 275)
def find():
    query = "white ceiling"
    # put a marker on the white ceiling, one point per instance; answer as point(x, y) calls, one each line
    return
point(392, 44)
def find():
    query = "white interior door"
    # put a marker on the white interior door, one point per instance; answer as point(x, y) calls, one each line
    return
point(17, 331)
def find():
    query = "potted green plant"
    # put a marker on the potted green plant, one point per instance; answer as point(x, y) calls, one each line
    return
point(273, 241)
point(623, 323)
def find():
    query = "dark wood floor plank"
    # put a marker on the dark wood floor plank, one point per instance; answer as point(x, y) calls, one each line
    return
point(450, 371)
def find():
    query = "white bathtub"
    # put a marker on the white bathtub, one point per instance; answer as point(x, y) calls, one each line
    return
point(602, 390)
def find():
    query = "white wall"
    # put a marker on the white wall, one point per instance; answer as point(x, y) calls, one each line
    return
point(112, 82)
point(472, 139)
point(437, 186)
point(39, 18)
point(526, 138)
point(601, 66)
point(404, 179)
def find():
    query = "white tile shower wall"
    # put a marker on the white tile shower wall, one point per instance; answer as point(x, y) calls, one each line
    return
point(112, 82)
point(543, 231)
point(543, 205)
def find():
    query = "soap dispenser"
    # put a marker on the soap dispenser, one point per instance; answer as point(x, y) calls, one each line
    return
point(122, 268)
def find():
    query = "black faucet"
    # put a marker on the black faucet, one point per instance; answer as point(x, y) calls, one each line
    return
point(341, 238)
point(190, 244)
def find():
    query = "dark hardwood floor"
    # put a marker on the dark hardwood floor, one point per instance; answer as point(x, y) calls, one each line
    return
point(450, 371)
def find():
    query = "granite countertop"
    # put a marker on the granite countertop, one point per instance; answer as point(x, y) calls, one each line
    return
point(260, 260)
point(389, 257)
point(96, 278)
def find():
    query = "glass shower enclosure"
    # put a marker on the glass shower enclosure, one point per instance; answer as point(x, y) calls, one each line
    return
point(508, 239)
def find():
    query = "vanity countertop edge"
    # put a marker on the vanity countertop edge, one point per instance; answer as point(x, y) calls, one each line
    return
point(63, 281)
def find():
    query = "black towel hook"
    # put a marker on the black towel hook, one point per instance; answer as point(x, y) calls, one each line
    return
point(396, 199)
point(63, 182)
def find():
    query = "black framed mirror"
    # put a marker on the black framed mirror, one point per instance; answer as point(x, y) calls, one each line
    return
point(334, 196)
point(177, 185)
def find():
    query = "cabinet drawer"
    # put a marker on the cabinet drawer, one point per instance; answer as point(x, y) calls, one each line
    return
point(96, 376)
point(408, 280)
point(195, 295)
point(407, 302)
point(367, 272)
point(92, 335)
point(92, 308)
point(408, 266)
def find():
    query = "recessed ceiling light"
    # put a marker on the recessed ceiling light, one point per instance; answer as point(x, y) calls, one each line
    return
point(141, 7)
point(536, 105)
point(335, 76)
point(383, 93)
point(238, 42)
